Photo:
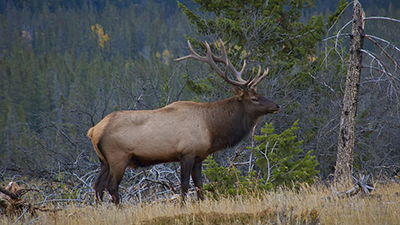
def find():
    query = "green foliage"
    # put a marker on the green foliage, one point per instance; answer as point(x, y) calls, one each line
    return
point(336, 15)
point(258, 29)
point(228, 181)
point(280, 158)
point(199, 87)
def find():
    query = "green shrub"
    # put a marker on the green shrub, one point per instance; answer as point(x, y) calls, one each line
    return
point(280, 158)
point(228, 181)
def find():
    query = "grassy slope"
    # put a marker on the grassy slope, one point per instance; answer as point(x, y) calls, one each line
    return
point(308, 206)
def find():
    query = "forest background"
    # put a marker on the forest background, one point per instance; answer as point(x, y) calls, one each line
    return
point(64, 65)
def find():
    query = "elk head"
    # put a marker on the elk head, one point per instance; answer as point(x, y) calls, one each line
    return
point(244, 90)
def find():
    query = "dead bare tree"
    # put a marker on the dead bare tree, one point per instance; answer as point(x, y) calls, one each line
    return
point(347, 121)
point(382, 62)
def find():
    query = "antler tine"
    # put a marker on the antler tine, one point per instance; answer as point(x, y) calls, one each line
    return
point(192, 55)
point(212, 60)
point(224, 59)
point(241, 72)
point(208, 58)
point(251, 75)
point(258, 78)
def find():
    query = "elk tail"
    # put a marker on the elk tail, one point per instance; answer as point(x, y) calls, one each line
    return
point(97, 145)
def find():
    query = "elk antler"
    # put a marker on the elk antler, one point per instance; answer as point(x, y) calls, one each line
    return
point(212, 60)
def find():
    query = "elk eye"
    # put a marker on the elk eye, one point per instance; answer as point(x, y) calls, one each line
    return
point(254, 99)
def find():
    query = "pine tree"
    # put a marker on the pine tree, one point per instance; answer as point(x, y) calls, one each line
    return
point(260, 30)
point(281, 158)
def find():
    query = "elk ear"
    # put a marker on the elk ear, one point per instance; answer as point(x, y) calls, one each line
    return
point(238, 92)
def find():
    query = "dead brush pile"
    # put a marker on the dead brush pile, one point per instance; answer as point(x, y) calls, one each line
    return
point(12, 203)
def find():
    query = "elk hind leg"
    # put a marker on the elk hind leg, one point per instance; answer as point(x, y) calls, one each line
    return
point(114, 179)
point(101, 182)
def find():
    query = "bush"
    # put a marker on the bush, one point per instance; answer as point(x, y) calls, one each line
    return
point(280, 158)
point(228, 181)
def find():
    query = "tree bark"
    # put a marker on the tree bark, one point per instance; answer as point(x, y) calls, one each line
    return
point(344, 159)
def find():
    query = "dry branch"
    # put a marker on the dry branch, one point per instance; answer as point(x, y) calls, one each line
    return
point(11, 202)
point(382, 18)
point(360, 186)
point(383, 50)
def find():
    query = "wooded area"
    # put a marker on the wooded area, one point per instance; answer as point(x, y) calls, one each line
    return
point(65, 65)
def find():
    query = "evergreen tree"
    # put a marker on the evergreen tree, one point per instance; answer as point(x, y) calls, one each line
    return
point(282, 159)
point(260, 30)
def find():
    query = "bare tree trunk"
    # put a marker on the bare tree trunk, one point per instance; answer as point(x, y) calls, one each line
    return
point(344, 159)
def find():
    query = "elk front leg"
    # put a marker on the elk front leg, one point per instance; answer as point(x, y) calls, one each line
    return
point(187, 163)
point(198, 183)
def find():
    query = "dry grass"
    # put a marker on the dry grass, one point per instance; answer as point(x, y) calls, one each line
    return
point(311, 205)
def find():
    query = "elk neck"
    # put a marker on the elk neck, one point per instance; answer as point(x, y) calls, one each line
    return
point(228, 122)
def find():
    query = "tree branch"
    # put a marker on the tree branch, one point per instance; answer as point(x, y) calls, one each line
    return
point(296, 37)
point(335, 37)
point(338, 34)
point(382, 18)
point(341, 13)
point(383, 50)
point(9, 193)
point(383, 40)
point(380, 63)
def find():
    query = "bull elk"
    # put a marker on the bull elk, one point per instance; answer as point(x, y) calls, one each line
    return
point(183, 131)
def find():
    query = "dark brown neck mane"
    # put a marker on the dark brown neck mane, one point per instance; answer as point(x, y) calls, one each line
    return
point(229, 123)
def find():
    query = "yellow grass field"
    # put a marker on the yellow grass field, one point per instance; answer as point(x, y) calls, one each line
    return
point(310, 205)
